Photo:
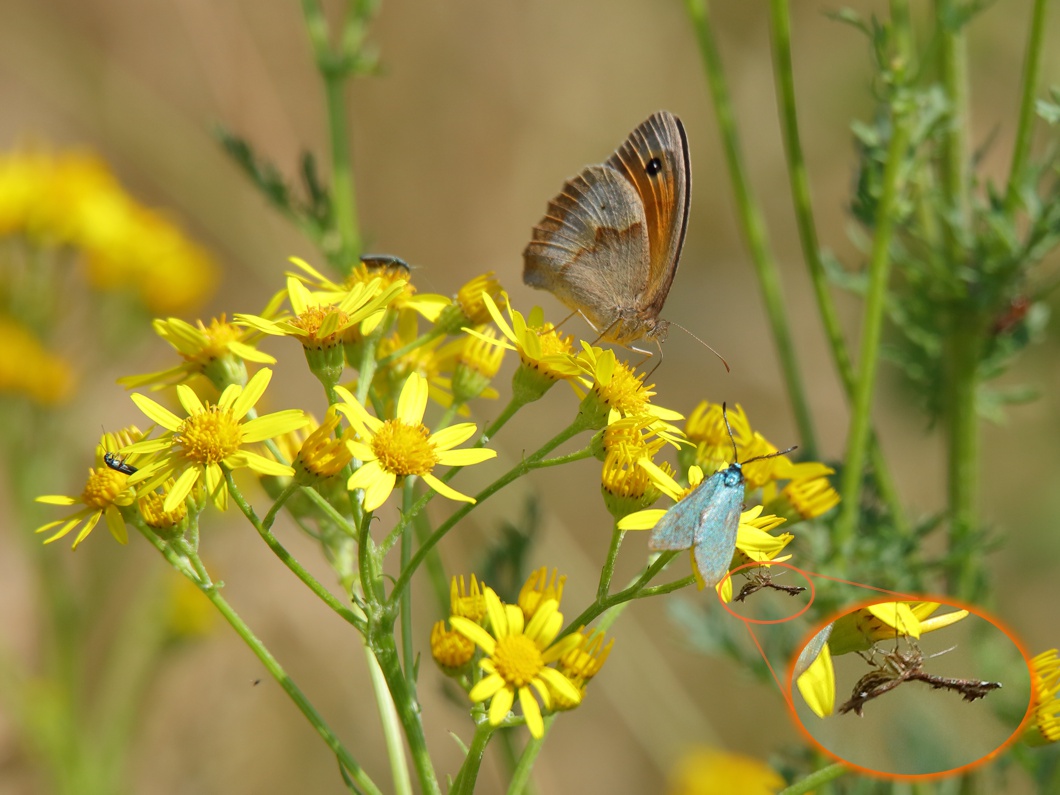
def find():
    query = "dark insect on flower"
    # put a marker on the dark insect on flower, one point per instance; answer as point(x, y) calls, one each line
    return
point(763, 578)
point(906, 666)
point(118, 464)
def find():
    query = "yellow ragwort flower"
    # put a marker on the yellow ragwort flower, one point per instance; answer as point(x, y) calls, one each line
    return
point(194, 448)
point(396, 448)
point(711, 771)
point(470, 308)
point(468, 603)
point(386, 274)
point(323, 455)
point(474, 360)
point(810, 497)
point(545, 354)
point(28, 368)
point(1044, 725)
point(217, 350)
point(518, 658)
point(72, 199)
point(706, 429)
point(540, 588)
point(106, 491)
point(582, 663)
point(616, 391)
point(450, 650)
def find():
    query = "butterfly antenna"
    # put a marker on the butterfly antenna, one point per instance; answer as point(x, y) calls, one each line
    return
point(697, 339)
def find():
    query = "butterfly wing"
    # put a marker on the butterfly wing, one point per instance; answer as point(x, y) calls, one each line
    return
point(677, 528)
point(655, 160)
point(587, 248)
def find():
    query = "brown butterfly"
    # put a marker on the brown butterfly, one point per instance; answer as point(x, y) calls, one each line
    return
point(609, 243)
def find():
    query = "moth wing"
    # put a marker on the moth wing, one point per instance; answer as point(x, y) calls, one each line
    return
point(655, 159)
point(715, 540)
point(678, 527)
point(591, 248)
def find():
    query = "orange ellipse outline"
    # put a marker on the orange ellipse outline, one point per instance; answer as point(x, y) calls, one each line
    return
point(951, 602)
point(755, 565)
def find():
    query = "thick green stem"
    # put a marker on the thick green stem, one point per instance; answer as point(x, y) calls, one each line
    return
point(753, 225)
point(872, 321)
point(381, 639)
point(963, 455)
point(468, 775)
point(1032, 67)
point(803, 205)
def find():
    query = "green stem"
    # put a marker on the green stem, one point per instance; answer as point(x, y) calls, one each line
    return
point(521, 774)
point(963, 454)
point(509, 411)
point(802, 203)
point(274, 668)
point(636, 590)
point(382, 642)
point(752, 224)
point(334, 69)
point(468, 775)
point(520, 469)
point(1032, 67)
point(391, 722)
point(953, 68)
point(287, 558)
point(408, 492)
point(872, 325)
point(816, 780)
point(608, 570)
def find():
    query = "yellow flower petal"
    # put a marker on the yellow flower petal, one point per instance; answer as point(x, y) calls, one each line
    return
point(501, 705)
point(156, 413)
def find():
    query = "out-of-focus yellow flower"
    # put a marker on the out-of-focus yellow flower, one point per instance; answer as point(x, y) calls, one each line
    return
point(28, 368)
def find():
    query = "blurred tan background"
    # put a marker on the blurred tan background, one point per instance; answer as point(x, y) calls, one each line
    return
point(482, 110)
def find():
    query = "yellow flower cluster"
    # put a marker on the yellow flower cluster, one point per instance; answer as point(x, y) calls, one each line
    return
point(524, 655)
point(71, 199)
point(28, 368)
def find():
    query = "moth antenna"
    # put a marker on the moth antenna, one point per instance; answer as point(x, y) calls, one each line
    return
point(771, 455)
point(697, 339)
point(725, 416)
